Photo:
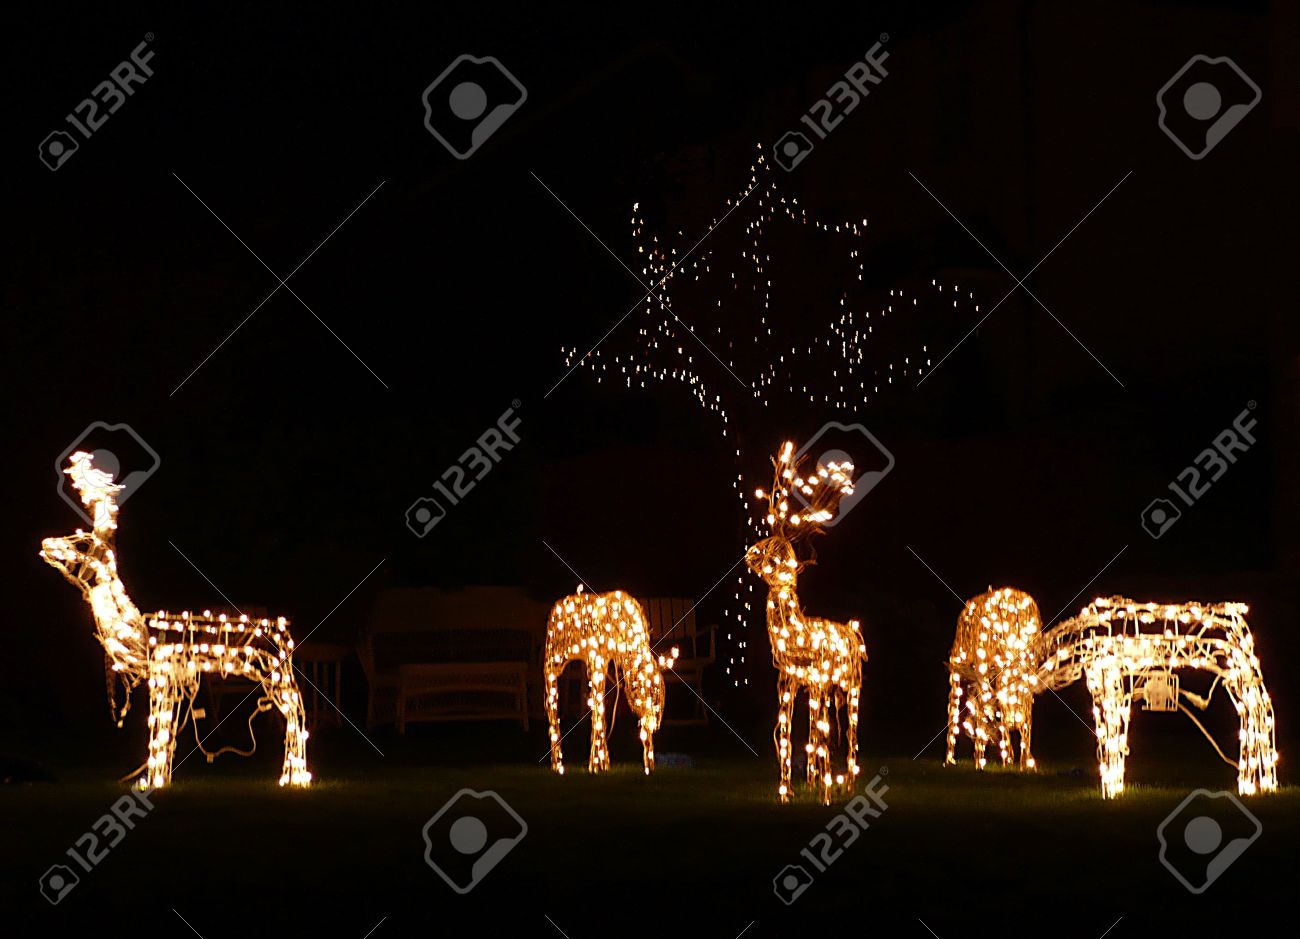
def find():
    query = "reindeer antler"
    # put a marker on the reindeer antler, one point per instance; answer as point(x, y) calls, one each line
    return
point(97, 490)
point(819, 493)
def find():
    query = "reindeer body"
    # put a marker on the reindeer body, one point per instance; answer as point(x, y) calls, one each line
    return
point(608, 633)
point(993, 667)
point(171, 653)
point(811, 654)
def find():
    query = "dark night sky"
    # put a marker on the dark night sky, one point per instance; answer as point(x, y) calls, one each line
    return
point(287, 465)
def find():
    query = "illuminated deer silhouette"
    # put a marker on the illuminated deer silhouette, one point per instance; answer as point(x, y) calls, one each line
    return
point(607, 632)
point(170, 653)
point(811, 653)
point(1127, 652)
point(993, 667)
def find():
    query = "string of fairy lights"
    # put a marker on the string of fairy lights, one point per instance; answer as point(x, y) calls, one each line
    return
point(738, 345)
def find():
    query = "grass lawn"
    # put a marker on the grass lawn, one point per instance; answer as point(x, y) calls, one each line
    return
point(692, 849)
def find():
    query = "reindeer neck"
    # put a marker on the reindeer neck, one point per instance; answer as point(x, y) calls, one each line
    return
point(784, 607)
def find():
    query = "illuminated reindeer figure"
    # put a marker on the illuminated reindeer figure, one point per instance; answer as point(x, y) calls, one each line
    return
point(171, 653)
point(993, 666)
point(608, 632)
point(822, 656)
point(1127, 652)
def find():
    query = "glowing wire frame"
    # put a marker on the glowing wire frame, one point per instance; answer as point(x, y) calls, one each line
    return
point(811, 653)
point(608, 633)
point(172, 652)
point(1127, 652)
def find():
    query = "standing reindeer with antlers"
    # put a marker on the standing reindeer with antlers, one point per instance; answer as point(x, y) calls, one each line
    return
point(171, 653)
point(809, 652)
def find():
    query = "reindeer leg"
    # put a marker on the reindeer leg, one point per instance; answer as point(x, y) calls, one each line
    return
point(1110, 709)
point(954, 715)
point(553, 672)
point(786, 687)
point(819, 758)
point(596, 676)
point(647, 747)
point(855, 693)
point(283, 691)
point(164, 701)
point(1026, 734)
point(814, 709)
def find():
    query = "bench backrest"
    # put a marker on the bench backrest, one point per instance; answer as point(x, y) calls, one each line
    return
point(475, 624)
point(672, 623)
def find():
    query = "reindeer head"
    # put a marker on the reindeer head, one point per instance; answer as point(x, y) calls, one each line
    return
point(798, 507)
point(645, 687)
point(80, 556)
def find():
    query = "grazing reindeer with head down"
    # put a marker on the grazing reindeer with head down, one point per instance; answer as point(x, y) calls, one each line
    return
point(810, 653)
point(993, 667)
point(608, 632)
point(171, 653)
